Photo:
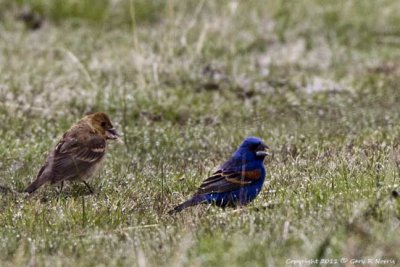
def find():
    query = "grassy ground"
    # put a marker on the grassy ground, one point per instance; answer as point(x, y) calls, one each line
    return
point(186, 81)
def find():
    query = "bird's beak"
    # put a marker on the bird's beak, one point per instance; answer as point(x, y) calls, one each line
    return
point(262, 151)
point(112, 134)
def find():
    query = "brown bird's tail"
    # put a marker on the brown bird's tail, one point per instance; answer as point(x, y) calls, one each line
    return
point(35, 185)
point(41, 178)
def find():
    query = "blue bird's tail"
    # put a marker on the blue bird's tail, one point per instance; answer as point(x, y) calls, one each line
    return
point(188, 203)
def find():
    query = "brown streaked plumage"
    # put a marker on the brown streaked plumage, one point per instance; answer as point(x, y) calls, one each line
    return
point(79, 153)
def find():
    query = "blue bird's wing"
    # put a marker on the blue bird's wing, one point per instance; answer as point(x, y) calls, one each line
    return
point(225, 180)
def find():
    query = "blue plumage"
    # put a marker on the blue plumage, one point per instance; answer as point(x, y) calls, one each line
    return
point(237, 182)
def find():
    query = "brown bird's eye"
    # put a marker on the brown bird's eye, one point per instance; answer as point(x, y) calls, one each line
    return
point(103, 124)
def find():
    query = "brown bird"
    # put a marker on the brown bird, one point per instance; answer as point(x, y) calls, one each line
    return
point(79, 153)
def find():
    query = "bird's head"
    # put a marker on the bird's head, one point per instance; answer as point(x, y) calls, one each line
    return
point(101, 123)
point(252, 148)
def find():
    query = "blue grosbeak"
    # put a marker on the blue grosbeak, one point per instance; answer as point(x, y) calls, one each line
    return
point(79, 153)
point(237, 182)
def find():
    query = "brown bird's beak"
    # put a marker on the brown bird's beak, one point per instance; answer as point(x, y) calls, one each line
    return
point(112, 134)
point(262, 150)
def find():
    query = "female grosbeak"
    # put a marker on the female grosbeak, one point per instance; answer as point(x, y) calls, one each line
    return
point(79, 153)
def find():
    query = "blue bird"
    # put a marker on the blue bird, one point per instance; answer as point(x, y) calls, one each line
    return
point(237, 182)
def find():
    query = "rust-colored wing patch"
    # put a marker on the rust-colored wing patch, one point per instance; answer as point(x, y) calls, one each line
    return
point(252, 175)
point(222, 181)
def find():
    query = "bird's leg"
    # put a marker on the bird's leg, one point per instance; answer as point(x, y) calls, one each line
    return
point(88, 186)
point(60, 188)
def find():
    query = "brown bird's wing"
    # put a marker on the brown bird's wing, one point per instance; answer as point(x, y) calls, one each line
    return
point(75, 157)
point(228, 180)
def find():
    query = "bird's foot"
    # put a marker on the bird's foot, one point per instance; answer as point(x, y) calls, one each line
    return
point(88, 187)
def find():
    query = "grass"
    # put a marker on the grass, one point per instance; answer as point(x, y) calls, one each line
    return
point(185, 82)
